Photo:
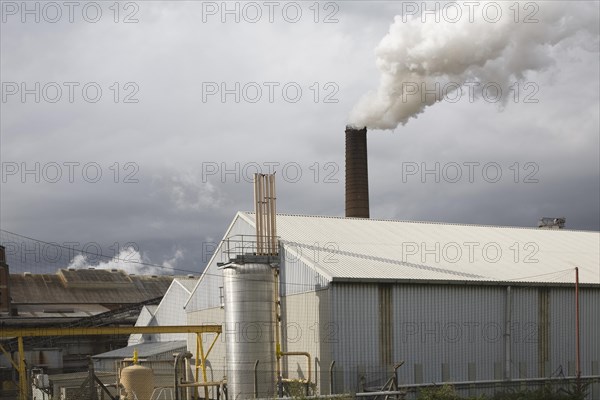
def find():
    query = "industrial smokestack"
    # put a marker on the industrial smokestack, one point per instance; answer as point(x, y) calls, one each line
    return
point(357, 175)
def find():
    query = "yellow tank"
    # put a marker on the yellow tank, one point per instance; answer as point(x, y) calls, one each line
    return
point(138, 382)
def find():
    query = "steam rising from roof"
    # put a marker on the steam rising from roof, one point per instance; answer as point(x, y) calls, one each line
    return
point(131, 261)
point(419, 53)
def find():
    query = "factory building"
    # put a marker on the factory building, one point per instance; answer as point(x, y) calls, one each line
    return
point(454, 302)
point(169, 312)
point(347, 305)
point(73, 297)
point(72, 294)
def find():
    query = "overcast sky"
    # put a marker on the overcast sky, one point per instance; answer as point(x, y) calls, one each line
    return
point(143, 124)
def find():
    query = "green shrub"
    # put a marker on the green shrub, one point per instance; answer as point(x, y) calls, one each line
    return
point(545, 393)
point(297, 388)
point(445, 392)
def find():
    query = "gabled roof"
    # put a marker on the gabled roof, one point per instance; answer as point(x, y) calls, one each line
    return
point(168, 312)
point(368, 249)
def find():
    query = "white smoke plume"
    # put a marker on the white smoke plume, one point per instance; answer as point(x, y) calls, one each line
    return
point(421, 51)
point(131, 261)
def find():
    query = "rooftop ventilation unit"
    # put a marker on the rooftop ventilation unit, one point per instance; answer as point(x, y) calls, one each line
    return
point(552, 223)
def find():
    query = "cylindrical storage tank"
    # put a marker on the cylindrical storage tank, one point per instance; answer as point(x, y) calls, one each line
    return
point(138, 382)
point(249, 329)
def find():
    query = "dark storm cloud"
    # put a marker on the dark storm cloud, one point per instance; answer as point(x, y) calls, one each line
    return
point(176, 161)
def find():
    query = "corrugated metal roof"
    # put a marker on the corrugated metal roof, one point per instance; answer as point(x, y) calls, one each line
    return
point(86, 287)
point(363, 249)
point(60, 310)
point(145, 349)
point(94, 277)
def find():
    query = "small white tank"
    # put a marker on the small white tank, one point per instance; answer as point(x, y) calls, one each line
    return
point(138, 382)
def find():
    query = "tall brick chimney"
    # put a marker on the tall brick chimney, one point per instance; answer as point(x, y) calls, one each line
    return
point(357, 174)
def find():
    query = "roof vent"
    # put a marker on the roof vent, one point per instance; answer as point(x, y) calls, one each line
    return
point(552, 223)
point(191, 276)
point(26, 273)
point(71, 269)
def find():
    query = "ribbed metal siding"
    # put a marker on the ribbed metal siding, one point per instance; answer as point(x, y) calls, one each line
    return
point(170, 312)
point(296, 276)
point(457, 333)
point(525, 331)
point(355, 329)
point(590, 330)
point(448, 327)
point(144, 319)
point(562, 329)
point(208, 293)
point(306, 327)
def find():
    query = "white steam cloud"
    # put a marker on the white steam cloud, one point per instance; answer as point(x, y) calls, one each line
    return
point(131, 261)
point(423, 50)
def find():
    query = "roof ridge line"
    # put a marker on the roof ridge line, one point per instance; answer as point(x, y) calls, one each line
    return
point(428, 222)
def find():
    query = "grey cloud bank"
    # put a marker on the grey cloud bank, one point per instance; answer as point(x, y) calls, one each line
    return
point(171, 140)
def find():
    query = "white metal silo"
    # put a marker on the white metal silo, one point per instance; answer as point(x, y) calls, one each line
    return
point(249, 330)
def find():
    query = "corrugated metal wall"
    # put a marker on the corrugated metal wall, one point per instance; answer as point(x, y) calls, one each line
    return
point(528, 333)
point(441, 331)
point(144, 319)
point(457, 332)
point(170, 312)
point(305, 326)
point(208, 293)
point(562, 330)
point(296, 275)
point(354, 334)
